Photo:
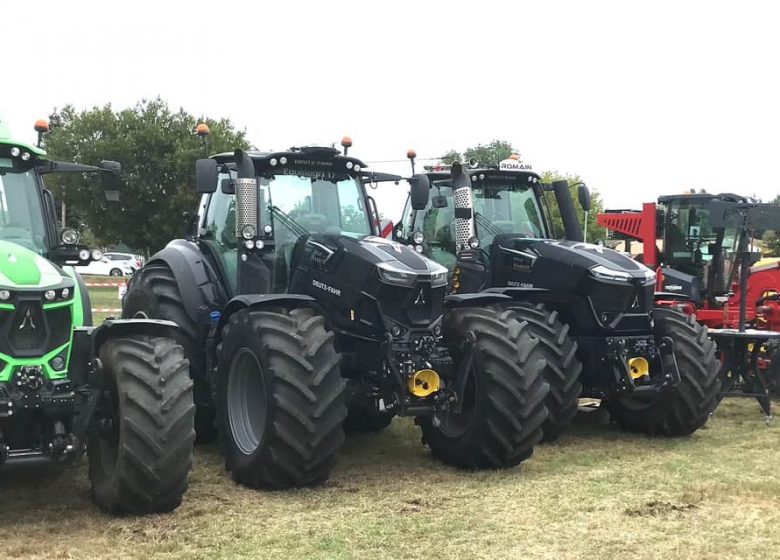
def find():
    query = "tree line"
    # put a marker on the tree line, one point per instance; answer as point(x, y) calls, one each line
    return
point(157, 147)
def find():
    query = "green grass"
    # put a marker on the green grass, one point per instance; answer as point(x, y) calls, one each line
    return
point(103, 297)
point(596, 493)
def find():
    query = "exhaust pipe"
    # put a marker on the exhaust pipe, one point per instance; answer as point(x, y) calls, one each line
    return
point(571, 222)
point(464, 223)
point(246, 195)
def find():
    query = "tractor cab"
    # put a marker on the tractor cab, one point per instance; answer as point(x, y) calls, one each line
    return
point(503, 203)
point(694, 247)
point(27, 211)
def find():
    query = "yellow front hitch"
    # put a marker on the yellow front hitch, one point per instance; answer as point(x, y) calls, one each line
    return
point(638, 367)
point(423, 383)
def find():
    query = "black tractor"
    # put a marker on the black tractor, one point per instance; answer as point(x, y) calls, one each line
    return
point(591, 308)
point(299, 322)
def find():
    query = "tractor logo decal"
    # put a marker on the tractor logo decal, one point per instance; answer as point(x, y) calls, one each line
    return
point(27, 322)
point(420, 299)
point(635, 303)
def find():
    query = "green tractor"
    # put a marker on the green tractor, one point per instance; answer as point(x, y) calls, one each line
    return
point(120, 392)
point(300, 321)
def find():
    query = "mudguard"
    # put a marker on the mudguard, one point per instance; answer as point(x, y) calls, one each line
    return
point(195, 277)
point(477, 299)
point(288, 301)
point(87, 341)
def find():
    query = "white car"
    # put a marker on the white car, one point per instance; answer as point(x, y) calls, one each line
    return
point(134, 261)
point(110, 265)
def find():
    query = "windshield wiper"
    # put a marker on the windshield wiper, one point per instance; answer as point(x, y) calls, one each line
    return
point(488, 225)
point(291, 224)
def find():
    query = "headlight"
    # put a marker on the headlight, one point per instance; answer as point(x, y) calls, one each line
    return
point(474, 242)
point(97, 254)
point(392, 275)
point(5, 294)
point(439, 278)
point(603, 273)
point(84, 255)
point(69, 236)
point(418, 237)
point(248, 231)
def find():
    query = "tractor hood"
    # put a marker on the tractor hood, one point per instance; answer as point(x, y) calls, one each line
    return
point(578, 257)
point(22, 268)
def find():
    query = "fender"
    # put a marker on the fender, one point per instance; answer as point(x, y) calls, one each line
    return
point(194, 275)
point(476, 299)
point(260, 301)
point(87, 341)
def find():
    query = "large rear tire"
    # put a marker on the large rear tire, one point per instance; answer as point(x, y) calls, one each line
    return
point(680, 410)
point(503, 403)
point(281, 398)
point(140, 453)
point(563, 369)
point(154, 293)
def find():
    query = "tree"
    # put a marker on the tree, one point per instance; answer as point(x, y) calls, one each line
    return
point(157, 148)
point(497, 150)
point(771, 239)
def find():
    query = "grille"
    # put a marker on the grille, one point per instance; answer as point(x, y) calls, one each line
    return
point(28, 327)
point(614, 300)
point(463, 227)
point(29, 331)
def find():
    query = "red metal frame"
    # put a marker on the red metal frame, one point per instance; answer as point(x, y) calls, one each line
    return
point(637, 225)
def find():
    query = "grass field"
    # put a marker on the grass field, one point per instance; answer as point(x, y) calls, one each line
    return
point(597, 493)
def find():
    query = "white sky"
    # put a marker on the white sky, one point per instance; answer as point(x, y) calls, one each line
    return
point(639, 99)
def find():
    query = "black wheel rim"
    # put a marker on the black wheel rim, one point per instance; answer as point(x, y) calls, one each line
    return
point(247, 403)
point(455, 424)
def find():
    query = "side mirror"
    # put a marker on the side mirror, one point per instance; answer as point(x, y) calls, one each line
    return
point(439, 201)
point(420, 191)
point(111, 172)
point(583, 194)
point(206, 174)
point(228, 186)
point(755, 256)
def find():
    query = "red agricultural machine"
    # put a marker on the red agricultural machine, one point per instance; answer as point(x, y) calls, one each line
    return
point(701, 246)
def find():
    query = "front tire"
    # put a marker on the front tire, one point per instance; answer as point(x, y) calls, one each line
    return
point(154, 293)
point(281, 398)
point(680, 410)
point(563, 369)
point(503, 403)
point(140, 453)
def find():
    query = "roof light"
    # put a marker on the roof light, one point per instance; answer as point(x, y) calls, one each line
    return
point(15, 151)
point(283, 160)
point(514, 156)
point(41, 125)
point(346, 142)
point(203, 130)
point(25, 156)
point(272, 162)
point(349, 165)
point(411, 154)
point(356, 168)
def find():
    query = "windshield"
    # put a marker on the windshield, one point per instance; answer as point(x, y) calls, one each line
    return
point(318, 205)
point(21, 215)
point(501, 208)
point(691, 244)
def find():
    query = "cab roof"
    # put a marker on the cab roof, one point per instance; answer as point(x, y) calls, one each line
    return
point(306, 155)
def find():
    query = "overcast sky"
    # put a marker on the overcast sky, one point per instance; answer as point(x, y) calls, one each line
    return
point(639, 99)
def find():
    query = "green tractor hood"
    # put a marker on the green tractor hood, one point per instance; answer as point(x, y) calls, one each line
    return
point(22, 268)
